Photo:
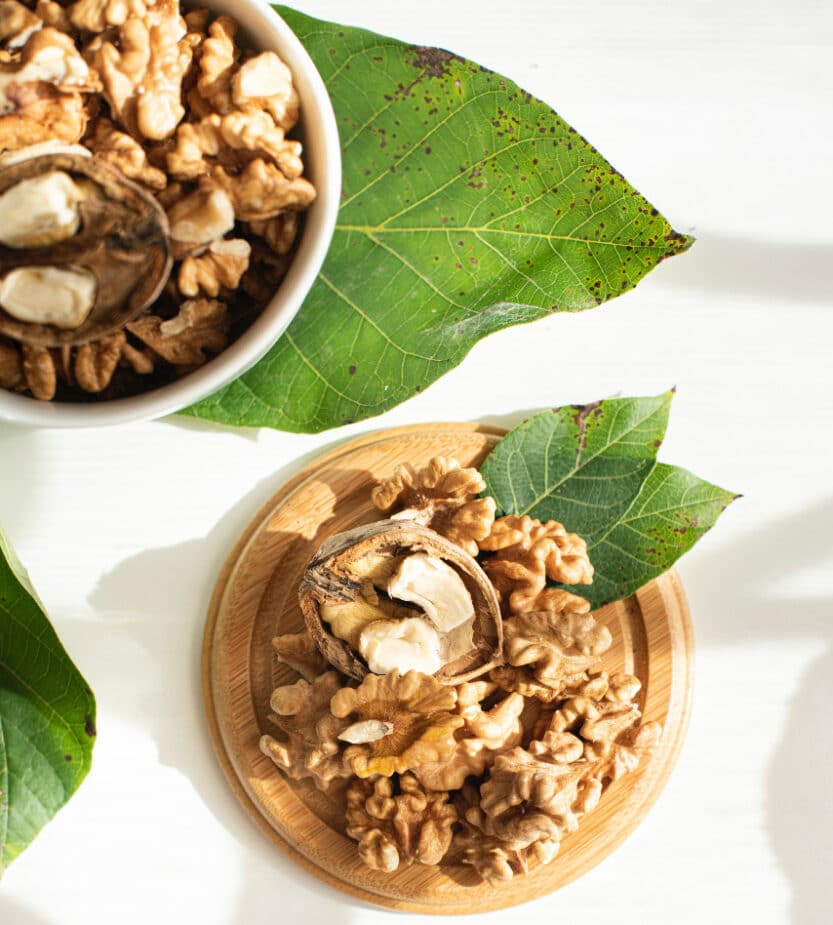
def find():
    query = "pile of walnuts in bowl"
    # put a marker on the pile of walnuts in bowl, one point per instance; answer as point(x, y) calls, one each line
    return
point(452, 702)
point(193, 126)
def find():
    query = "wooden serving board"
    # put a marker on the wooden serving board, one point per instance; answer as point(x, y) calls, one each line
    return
point(256, 598)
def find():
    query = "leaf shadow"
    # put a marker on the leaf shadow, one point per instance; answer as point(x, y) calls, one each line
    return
point(800, 807)
point(13, 913)
point(184, 421)
point(732, 586)
point(763, 270)
point(169, 590)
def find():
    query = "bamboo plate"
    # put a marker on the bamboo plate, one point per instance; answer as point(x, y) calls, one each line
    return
point(256, 597)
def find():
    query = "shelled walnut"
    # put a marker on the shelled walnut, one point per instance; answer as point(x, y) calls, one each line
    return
point(526, 554)
point(413, 825)
point(442, 496)
point(193, 122)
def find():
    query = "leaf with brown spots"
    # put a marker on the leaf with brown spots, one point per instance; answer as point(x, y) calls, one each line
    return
point(581, 465)
point(593, 468)
point(468, 206)
point(47, 714)
point(670, 514)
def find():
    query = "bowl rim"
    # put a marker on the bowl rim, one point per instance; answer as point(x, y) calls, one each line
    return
point(318, 120)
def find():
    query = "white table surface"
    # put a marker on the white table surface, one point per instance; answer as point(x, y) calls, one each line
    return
point(720, 112)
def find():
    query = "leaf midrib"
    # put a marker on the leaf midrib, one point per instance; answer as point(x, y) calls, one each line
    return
point(372, 230)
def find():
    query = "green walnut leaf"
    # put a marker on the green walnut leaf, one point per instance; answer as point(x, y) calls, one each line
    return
point(673, 510)
point(468, 206)
point(47, 714)
point(582, 464)
point(593, 468)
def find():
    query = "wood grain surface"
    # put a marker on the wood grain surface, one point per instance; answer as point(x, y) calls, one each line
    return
point(256, 598)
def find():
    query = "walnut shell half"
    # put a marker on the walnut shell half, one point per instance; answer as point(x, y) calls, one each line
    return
point(119, 239)
point(343, 590)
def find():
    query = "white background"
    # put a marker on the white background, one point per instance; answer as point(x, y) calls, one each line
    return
point(720, 112)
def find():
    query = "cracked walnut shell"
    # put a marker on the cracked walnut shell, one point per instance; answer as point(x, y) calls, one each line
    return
point(395, 825)
point(351, 567)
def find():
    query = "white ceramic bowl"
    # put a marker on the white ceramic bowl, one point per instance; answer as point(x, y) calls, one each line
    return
point(263, 29)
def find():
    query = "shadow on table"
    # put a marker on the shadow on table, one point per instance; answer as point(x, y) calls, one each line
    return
point(737, 603)
point(13, 913)
point(170, 588)
point(767, 270)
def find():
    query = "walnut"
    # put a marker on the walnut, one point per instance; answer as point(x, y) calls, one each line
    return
point(231, 139)
point(534, 796)
point(54, 15)
point(485, 734)
point(265, 82)
point(593, 684)
point(146, 58)
point(142, 71)
point(588, 740)
point(197, 20)
point(266, 270)
point(496, 863)
point(523, 682)
point(42, 113)
point(96, 362)
point(223, 264)
point(11, 367)
point(218, 62)
point(547, 782)
point(200, 217)
point(416, 707)
point(140, 361)
point(199, 329)
point(527, 553)
point(47, 57)
point(17, 23)
point(413, 825)
point(442, 496)
point(98, 15)
point(123, 152)
point(557, 648)
point(40, 92)
point(607, 720)
point(278, 232)
point(261, 190)
point(39, 372)
point(311, 749)
point(301, 654)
